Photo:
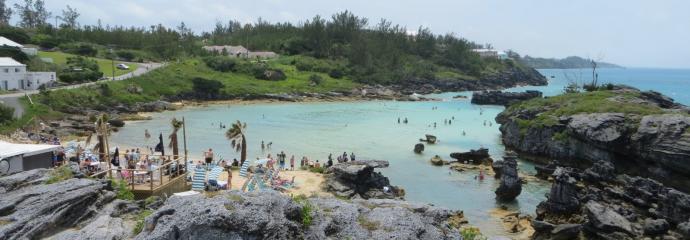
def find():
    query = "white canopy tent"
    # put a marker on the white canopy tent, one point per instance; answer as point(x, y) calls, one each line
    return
point(22, 157)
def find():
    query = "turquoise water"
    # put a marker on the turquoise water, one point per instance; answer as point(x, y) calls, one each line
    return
point(370, 129)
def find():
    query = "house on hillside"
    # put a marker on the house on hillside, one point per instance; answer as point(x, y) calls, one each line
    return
point(23, 157)
point(9, 43)
point(491, 53)
point(240, 52)
point(233, 51)
point(13, 76)
point(262, 55)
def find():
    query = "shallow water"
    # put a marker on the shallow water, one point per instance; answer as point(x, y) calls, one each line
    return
point(370, 130)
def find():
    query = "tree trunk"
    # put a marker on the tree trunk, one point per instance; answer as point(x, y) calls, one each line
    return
point(101, 148)
point(243, 156)
point(175, 148)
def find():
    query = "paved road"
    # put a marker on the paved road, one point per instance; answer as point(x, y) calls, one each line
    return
point(12, 99)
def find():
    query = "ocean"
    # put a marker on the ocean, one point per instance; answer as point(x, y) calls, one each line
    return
point(370, 130)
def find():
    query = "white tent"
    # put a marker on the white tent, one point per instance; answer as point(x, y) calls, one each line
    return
point(22, 157)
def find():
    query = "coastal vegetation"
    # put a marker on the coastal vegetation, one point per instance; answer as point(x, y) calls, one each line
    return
point(59, 174)
point(564, 63)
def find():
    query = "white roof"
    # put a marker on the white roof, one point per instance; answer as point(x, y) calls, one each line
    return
point(5, 41)
point(9, 62)
point(13, 149)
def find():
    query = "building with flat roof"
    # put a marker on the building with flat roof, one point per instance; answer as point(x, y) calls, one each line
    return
point(27, 50)
point(16, 157)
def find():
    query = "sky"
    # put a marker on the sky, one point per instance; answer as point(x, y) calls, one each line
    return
point(632, 33)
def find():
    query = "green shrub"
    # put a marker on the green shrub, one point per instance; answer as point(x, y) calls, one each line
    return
point(60, 174)
point(14, 53)
point(122, 189)
point(471, 233)
point(6, 114)
point(141, 217)
point(317, 169)
point(15, 34)
point(126, 55)
point(316, 79)
point(83, 49)
point(202, 85)
point(220, 63)
point(307, 209)
point(336, 73)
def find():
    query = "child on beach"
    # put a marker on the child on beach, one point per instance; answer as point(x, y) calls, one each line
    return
point(292, 163)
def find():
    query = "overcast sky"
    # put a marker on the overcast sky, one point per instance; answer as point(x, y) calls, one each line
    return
point(633, 33)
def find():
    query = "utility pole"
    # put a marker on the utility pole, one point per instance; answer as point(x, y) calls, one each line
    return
point(112, 59)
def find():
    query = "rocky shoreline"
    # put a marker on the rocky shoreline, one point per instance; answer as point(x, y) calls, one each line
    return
point(653, 143)
point(32, 207)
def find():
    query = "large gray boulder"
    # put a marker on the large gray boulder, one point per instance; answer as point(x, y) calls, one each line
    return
point(31, 209)
point(503, 98)
point(603, 218)
point(563, 198)
point(358, 179)
point(270, 215)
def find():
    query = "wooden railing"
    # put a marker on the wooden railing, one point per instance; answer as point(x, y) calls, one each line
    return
point(139, 177)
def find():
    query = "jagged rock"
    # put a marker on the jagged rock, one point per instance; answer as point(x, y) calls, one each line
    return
point(600, 171)
point(603, 218)
point(156, 106)
point(437, 161)
point(418, 148)
point(545, 171)
point(428, 138)
point(562, 198)
point(675, 207)
point(270, 215)
point(684, 229)
point(116, 122)
point(32, 210)
point(566, 231)
point(357, 178)
point(655, 145)
point(503, 98)
point(510, 186)
point(23, 179)
point(498, 168)
point(655, 226)
point(479, 156)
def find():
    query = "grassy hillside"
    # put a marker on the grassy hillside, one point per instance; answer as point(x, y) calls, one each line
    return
point(177, 78)
point(105, 65)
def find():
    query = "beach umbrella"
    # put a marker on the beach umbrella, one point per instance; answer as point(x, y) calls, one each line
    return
point(160, 147)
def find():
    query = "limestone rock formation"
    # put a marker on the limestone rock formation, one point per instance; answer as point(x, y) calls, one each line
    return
point(418, 148)
point(503, 98)
point(358, 179)
point(510, 186)
point(478, 156)
point(270, 215)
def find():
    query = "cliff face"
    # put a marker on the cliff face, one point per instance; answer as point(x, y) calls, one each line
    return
point(642, 133)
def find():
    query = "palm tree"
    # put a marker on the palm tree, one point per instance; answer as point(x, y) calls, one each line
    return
point(236, 134)
point(176, 125)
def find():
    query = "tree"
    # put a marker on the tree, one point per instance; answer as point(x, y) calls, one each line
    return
point(5, 14)
point(236, 134)
point(176, 125)
point(32, 14)
point(6, 114)
point(69, 17)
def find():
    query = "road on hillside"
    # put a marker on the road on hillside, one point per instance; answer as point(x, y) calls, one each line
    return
point(12, 99)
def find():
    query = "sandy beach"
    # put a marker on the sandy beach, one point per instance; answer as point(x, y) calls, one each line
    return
point(306, 182)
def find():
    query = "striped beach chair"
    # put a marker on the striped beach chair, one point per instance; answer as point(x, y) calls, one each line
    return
point(199, 179)
point(215, 173)
point(243, 169)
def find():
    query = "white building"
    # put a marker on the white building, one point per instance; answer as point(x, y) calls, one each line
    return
point(491, 53)
point(13, 76)
point(6, 42)
point(23, 157)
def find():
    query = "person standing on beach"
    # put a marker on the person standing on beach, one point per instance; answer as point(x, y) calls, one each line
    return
point(292, 163)
point(398, 120)
point(262, 145)
point(352, 156)
point(208, 156)
point(345, 156)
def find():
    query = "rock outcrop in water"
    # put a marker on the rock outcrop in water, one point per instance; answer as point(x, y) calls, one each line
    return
point(503, 98)
point(643, 133)
point(479, 156)
point(270, 215)
point(613, 207)
point(510, 184)
point(418, 148)
point(357, 179)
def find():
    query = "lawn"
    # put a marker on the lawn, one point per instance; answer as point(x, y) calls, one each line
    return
point(177, 78)
point(105, 65)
